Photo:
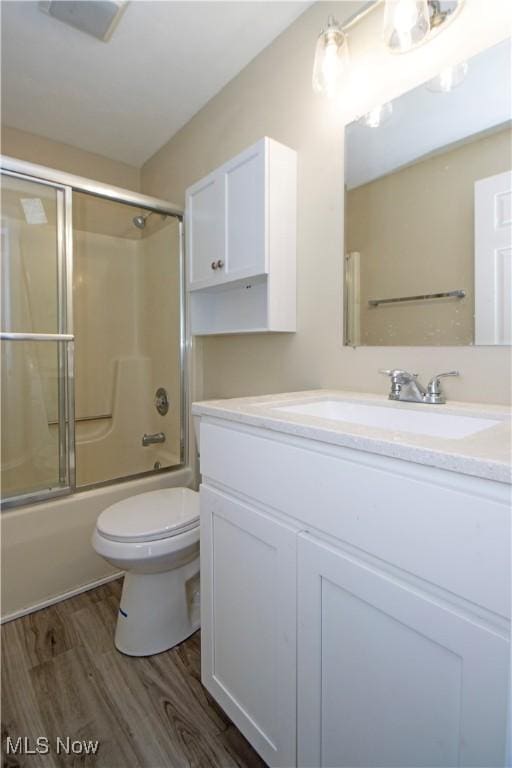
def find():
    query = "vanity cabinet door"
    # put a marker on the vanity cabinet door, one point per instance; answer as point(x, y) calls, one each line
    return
point(248, 619)
point(390, 674)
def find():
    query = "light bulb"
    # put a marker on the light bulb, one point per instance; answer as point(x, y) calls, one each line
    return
point(406, 24)
point(449, 78)
point(330, 62)
point(378, 115)
point(331, 58)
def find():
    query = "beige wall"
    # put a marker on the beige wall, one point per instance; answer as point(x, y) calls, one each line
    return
point(273, 96)
point(54, 154)
point(414, 230)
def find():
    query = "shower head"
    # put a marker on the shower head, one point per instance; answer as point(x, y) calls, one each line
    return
point(140, 220)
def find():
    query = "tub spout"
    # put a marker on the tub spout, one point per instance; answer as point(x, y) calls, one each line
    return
point(158, 437)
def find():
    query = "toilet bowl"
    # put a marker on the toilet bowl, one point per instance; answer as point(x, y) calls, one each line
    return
point(154, 538)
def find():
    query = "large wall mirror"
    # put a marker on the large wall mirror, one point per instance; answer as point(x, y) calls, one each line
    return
point(428, 212)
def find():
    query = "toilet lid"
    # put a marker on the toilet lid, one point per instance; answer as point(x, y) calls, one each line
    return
point(150, 516)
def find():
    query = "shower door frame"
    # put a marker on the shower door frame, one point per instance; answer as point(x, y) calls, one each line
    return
point(67, 183)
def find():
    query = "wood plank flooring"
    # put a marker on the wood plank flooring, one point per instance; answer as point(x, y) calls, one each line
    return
point(62, 677)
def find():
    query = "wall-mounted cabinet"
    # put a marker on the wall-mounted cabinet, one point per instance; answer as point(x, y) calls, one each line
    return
point(241, 243)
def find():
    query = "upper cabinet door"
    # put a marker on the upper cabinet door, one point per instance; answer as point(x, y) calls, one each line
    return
point(205, 232)
point(246, 220)
point(241, 219)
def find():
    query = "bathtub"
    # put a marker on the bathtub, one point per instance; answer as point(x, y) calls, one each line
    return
point(46, 551)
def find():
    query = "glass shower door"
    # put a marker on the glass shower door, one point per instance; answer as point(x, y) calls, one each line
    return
point(37, 450)
point(128, 325)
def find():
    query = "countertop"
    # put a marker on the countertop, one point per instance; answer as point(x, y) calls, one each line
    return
point(486, 454)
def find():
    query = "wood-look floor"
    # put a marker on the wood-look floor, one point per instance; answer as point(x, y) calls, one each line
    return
point(62, 676)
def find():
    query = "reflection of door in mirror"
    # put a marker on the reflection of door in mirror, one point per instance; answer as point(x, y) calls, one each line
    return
point(493, 260)
point(410, 211)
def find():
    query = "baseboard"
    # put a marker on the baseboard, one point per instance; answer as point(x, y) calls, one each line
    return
point(60, 598)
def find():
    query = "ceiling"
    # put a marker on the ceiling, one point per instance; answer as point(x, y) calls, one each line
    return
point(124, 99)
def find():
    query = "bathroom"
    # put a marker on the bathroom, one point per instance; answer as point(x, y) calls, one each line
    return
point(117, 138)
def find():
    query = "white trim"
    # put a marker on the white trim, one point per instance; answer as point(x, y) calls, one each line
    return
point(60, 598)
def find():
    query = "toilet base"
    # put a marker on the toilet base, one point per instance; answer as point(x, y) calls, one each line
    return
point(158, 610)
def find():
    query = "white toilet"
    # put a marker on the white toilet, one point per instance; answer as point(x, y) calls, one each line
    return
point(154, 538)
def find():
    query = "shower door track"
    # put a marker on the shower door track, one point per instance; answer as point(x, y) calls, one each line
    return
point(67, 183)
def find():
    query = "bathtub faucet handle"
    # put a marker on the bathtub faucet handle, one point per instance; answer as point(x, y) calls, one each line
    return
point(161, 401)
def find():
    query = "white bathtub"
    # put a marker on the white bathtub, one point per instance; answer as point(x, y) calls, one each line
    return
point(46, 549)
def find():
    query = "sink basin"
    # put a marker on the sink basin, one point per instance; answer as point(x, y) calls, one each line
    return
point(393, 419)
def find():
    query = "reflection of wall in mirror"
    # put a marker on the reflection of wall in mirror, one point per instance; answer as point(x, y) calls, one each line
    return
point(414, 230)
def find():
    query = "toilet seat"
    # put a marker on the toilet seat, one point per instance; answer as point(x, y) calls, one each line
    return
point(148, 556)
point(150, 516)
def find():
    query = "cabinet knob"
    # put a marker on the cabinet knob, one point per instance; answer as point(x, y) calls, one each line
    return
point(214, 265)
point(220, 264)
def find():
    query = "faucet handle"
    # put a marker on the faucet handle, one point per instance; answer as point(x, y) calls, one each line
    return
point(434, 393)
point(397, 379)
point(434, 385)
point(397, 373)
point(392, 373)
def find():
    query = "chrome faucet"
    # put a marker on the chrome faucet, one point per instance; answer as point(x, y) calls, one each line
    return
point(406, 387)
point(158, 437)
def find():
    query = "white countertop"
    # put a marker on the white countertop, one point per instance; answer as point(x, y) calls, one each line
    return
point(486, 454)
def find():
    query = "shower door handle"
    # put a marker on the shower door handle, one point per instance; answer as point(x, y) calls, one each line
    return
point(8, 336)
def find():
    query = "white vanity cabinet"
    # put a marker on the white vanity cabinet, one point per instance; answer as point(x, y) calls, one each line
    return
point(387, 674)
point(241, 243)
point(355, 607)
point(248, 620)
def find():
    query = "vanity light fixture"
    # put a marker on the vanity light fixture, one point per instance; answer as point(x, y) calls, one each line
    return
point(409, 23)
point(331, 59)
point(406, 24)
